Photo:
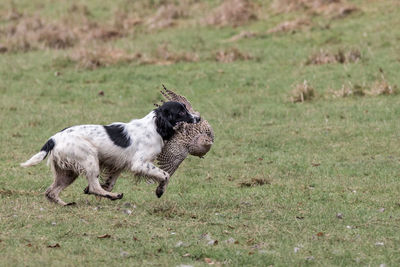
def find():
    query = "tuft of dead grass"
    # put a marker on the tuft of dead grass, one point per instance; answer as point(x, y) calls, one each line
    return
point(291, 26)
point(255, 182)
point(79, 9)
point(349, 90)
point(342, 57)
point(233, 13)
point(382, 87)
point(164, 56)
point(378, 87)
point(11, 14)
point(125, 21)
point(230, 55)
point(166, 16)
point(33, 33)
point(302, 92)
point(332, 8)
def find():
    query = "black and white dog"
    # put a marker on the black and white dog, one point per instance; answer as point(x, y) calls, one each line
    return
point(111, 149)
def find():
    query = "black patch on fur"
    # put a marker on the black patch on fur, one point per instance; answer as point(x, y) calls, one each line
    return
point(117, 134)
point(168, 115)
point(164, 127)
point(48, 146)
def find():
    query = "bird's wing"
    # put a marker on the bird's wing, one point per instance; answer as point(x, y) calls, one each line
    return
point(172, 96)
point(171, 156)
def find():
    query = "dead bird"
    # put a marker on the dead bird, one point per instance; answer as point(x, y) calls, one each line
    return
point(194, 139)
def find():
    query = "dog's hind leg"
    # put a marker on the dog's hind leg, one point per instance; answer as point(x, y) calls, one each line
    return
point(92, 171)
point(109, 182)
point(62, 179)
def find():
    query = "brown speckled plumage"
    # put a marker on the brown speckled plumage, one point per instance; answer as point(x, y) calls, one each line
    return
point(194, 139)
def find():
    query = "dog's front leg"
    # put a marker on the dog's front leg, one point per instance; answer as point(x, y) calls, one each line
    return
point(150, 170)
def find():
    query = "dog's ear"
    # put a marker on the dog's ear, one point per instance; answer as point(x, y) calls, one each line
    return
point(164, 127)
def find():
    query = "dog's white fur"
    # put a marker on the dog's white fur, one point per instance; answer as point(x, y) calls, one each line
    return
point(88, 150)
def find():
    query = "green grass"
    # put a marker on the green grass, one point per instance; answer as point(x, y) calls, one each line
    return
point(322, 157)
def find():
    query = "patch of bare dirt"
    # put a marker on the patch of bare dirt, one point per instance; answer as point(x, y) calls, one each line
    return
point(233, 13)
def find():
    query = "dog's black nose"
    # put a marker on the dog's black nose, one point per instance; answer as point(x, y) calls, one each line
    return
point(197, 119)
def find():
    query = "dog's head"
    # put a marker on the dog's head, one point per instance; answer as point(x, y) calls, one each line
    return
point(169, 114)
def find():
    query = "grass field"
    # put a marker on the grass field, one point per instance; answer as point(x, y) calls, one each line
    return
point(327, 168)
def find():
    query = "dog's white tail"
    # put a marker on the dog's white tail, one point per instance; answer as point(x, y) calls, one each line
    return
point(37, 158)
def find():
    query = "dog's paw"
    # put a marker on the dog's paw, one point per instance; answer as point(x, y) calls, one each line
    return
point(119, 196)
point(160, 191)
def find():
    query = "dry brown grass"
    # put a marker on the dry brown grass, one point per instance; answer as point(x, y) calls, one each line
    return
point(95, 56)
point(230, 55)
point(342, 57)
point(233, 13)
point(164, 56)
point(10, 14)
point(24, 33)
point(32, 32)
point(100, 56)
point(332, 8)
point(126, 21)
point(302, 92)
point(242, 35)
point(348, 90)
point(378, 87)
point(166, 16)
point(291, 26)
point(382, 87)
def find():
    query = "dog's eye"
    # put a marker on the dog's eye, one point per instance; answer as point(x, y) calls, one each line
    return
point(182, 113)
